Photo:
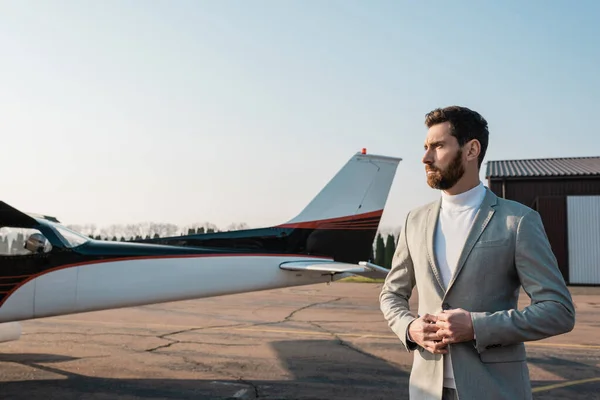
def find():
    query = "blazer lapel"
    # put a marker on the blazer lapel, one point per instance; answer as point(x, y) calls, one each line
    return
point(482, 218)
point(432, 217)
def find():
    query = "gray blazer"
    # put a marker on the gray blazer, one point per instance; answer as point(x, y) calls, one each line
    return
point(506, 248)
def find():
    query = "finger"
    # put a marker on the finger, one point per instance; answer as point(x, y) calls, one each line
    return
point(430, 328)
point(440, 345)
point(442, 324)
point(444, 333)
point(447, 336)
point(448, 340)
point(429, 345)
point(447, 315)
point(429, 318)
point(437, 347)
point(435, 344)
point(432, 336)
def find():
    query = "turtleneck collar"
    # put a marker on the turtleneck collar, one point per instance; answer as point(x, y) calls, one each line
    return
point(464, 201)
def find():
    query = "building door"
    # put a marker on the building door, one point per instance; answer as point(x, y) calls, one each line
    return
point(583, 216)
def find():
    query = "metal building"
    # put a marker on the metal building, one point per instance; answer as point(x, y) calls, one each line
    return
point(566, 193)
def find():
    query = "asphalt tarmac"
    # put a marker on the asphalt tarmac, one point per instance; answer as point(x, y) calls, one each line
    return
point(311, 342)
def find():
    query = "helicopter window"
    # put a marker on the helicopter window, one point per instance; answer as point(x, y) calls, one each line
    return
point(22, 241)
point(72, 238)
point(69, 236)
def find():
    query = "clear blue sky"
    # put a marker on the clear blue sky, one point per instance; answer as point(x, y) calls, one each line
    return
point(184, 111)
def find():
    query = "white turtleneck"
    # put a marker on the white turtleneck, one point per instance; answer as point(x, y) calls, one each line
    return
point(457, 214)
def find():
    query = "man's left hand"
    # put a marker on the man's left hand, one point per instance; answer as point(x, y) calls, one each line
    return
point(455, 326)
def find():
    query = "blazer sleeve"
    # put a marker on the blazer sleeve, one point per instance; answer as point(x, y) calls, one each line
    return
point(551, 311)
point(397, 289)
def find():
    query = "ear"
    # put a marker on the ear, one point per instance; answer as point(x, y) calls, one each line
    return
point(473, 148)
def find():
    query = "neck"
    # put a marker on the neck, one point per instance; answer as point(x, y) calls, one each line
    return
point(466, 183)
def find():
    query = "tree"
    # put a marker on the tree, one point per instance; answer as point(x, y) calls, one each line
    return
point(237, 226)
point(379, 250)
point(390, 248)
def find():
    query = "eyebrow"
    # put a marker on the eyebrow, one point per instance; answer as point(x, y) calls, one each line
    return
point(436, 143)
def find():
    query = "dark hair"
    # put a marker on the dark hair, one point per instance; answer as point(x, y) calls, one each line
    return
point(465, 125)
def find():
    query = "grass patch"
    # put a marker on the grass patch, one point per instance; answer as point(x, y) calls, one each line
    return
point(362, 279)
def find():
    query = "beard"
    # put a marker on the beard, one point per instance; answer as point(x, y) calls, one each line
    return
point(445, 179)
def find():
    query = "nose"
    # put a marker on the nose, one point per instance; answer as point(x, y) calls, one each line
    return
point(427, 158)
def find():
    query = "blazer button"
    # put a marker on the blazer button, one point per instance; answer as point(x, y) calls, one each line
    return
point(445, 306)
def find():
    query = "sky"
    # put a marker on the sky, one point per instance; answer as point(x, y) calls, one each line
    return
point(128, 111)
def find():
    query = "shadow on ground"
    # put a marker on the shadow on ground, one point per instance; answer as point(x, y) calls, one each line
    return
point(318, 369)
point(563, 365)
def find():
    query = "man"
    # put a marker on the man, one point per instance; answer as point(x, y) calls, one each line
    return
point(468, 254)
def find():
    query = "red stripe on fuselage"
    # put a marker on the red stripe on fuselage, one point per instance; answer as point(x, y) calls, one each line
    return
point(347, 221)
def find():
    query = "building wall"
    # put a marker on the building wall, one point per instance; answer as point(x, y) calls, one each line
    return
point(548, 197)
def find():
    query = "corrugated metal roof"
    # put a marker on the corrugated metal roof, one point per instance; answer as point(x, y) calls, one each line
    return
point(574, 166)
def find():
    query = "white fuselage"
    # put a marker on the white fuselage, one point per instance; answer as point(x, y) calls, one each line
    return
point(125, 283)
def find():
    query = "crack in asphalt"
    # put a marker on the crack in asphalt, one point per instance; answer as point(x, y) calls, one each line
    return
point(291, 315)
point(173, 341)
point(252, 385)
point(165, 336)
point(163, 346)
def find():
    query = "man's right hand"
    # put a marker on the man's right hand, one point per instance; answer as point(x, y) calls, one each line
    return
point(423, 331)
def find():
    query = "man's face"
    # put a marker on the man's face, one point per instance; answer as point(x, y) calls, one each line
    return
point(443, 158)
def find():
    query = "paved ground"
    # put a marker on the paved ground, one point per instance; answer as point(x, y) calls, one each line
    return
point(313, 342)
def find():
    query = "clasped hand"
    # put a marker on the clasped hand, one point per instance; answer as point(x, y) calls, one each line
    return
point(435, 332)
